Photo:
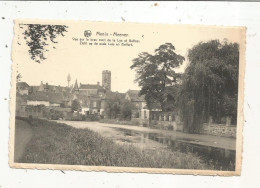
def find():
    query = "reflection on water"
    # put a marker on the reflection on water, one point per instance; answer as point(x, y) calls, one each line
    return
point(222, 159)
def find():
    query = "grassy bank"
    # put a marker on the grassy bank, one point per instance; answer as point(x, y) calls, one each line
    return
point(55, 143)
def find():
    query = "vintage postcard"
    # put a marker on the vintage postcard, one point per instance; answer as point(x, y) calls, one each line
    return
point(127, 97)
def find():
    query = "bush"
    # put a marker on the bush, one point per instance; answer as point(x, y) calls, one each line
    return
point(72, 116)
point(170, 127)
point(76, 118)
point(94, 117)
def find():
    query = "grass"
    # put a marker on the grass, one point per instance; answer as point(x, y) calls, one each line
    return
point(56, 143)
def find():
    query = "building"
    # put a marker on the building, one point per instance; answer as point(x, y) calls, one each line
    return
point(91, 97)
point(91, 90)
point(139, 102)
point(48, 99)
point(106, 79)
point(89, 104)
point(22, 88)
point(50, 88)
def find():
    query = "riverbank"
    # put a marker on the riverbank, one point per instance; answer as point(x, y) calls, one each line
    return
point(58, 143)
point(201, 139)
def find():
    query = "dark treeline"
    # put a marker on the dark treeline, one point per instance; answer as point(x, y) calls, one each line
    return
point(206, 90)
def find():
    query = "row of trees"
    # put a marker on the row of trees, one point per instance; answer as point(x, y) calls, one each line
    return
point(207, 88)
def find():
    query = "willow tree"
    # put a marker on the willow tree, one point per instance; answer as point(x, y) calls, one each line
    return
point(210, 84)
point(155, 73)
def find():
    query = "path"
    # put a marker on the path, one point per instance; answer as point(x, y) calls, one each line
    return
point(23, 134)
point(109, 130)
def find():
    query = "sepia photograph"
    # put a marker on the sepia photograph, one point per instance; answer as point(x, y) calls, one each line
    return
point(127, 97)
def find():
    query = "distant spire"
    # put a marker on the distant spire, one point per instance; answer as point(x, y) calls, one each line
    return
point(76, 87)
point(68, 79)
point(41, 88)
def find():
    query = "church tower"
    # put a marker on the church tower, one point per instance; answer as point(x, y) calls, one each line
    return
point(106, 79)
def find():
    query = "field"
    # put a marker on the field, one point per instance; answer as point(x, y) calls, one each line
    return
point(57, 143)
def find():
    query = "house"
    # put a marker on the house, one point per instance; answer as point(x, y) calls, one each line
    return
point(139, 102)
point(51, 88)
point(83, 102)
point(89, 96)
point(47, 99)
point(95, 104)
point(22, 88)
point(33, 89)
point(89, 104)
point(66, 98)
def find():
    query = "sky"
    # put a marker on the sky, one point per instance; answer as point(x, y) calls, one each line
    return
point(86, 63)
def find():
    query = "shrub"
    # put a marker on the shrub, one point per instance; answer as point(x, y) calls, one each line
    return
point(92, 117)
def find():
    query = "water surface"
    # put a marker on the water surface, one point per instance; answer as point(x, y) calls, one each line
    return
point(222, 159)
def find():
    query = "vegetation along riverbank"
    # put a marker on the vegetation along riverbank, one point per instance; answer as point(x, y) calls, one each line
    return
point(56, 143)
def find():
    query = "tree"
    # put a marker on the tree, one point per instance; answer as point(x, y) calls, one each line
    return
point(75, 106)
point(126, 110)
point(117, 106)
point(114, 101)
point(210, 84)
point(154, 73)
point(38, 36)
point(171, 95)
point(18, 77)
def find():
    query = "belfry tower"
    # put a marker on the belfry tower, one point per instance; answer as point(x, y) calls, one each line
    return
point(106, 79)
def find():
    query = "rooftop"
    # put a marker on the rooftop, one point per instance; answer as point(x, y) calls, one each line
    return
point(46, 96)
point(134, 95)
point(22, 84)
point(90, 86)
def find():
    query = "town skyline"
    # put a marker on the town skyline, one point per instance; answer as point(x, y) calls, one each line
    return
point(85, 63)
point(72, 83)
